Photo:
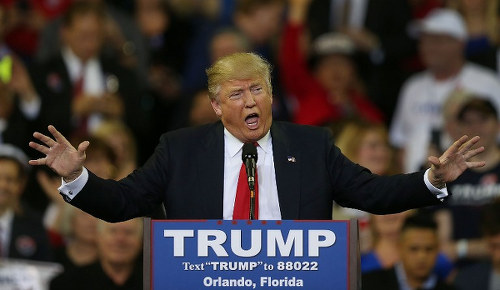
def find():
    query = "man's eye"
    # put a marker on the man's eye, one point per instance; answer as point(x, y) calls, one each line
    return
point(235, 95)
point(257, 89)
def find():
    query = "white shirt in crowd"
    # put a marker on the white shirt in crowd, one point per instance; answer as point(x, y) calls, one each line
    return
point(419, 109)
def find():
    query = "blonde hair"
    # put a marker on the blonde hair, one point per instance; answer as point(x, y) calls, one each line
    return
point(112, 127)
point(350, 138)
point(237, 66)
point(453, 103)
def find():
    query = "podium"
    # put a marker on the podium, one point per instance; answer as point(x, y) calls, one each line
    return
point(199, 254)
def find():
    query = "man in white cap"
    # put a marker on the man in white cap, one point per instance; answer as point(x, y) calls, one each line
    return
point(442, 35)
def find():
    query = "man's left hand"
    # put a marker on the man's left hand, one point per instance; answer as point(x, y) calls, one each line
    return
point(454, 161)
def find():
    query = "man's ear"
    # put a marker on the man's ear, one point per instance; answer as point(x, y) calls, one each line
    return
point(216, 107)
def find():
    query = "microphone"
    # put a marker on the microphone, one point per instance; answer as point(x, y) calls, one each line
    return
point(249, 157)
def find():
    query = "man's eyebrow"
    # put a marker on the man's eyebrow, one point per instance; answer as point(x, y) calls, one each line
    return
point(234, 90)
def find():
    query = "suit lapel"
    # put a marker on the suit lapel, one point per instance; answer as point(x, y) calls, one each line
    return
point(287, 169)
point(211, 171)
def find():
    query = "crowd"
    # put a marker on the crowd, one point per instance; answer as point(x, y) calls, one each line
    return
point(395, 81)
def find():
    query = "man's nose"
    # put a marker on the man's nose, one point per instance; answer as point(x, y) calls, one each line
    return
point(249, 99)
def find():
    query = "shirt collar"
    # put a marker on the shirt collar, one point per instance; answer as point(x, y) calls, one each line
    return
point(234, 145)
point(430, 283)
point(74, 64)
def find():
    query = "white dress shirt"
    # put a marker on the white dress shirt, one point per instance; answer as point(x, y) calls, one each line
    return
point(269, 208)
point(5, 231)
point(94, 84)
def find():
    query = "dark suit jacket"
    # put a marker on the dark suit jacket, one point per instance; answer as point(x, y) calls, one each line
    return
point(186, 172)
point(387, 280)
point(53, 84)
point(29, 240)
point(475, 276)
point(93, 277)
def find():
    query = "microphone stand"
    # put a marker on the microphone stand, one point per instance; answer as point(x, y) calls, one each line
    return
point(252, 204)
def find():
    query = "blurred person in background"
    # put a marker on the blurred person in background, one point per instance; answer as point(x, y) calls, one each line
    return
point(22, 235)
point(330, 90)
point(79, 230)
point(80, 87)
point(201, 111)
point(167, 35)
point(122, 39)
point(387, 231)
point(418, 113)
point(119, 137)
point(19, 101)
point(482, 22)
point(460, 216)
point(417, 248)
point(366, 144)
point(379, 30)
point(119, 248)
point(485, 275)
point(25, 21)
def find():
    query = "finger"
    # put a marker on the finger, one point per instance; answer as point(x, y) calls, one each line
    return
point(39, 147)
point(83, 146)
point(453, 149)
point(476, 164)
point(473, 152)
point(45, 139)
point(57, 135)
point(458, 144)
point(468, 145)
point(39, 161)
point(434, 161)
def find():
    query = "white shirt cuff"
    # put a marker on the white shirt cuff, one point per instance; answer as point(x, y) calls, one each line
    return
point(439, 193)
point(31, 109)
point(71, 189)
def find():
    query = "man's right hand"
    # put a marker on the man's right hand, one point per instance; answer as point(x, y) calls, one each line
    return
point(60, 155)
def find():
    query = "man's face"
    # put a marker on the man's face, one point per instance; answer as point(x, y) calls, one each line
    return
point(11, 184)
point(262, 23)
point(418, 249)
point(494, 247)
point(120, 243)
point(480, 124)
point(84, 36)
point(244, 106)
point(335, 72)
point(439, 51)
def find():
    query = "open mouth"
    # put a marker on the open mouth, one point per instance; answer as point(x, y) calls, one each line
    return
point(252, 121)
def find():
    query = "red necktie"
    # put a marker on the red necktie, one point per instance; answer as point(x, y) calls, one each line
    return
point(81, 128)
point(242, 202)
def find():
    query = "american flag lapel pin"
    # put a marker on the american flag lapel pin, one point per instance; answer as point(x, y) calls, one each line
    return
point(292, 159)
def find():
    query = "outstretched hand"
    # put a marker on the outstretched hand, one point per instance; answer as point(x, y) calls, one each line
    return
point(60, 155)
point(454, 161)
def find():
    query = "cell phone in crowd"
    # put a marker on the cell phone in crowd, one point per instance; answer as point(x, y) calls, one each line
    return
point(6, 68)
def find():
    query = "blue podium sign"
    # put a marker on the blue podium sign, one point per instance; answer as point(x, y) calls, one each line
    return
point(251, 254)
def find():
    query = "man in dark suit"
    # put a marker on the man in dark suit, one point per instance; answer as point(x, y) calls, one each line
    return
point(79, 86)
point(194, 171)
point(22, 236)
point(418, 249)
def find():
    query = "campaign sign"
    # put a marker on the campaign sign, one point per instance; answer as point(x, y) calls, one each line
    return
point(249, 254)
